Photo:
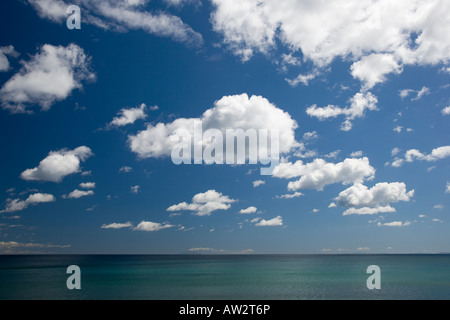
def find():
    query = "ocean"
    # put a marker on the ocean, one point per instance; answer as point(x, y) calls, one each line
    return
point(225, 277)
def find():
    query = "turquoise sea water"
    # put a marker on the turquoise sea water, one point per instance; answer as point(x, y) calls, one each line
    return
point(210, 277)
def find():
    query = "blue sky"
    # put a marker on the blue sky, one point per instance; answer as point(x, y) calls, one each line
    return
point(360, 89)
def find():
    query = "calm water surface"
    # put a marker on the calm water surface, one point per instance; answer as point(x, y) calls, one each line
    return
point(225, 277)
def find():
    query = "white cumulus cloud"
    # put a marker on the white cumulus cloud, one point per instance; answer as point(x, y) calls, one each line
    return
point(277, 221)
point(422, 92)
point(249, 210)
point(358, 105)
point(129, 116)
point(362, 200)
point(48, 77)
point(372, 69)
point(203, 204)
point(290, 195)
point(121, 16)
point(230, 112)
point(135, 189)
point(412, 155)
point(76, 194)
point(398, 129)
point(380, 36)
point(319, 173)
point(125, 169)
point(446, 111)
point(258, 183)
point(57, 165)
point(152, 226)
point(303, 79)
point(116, 225)
point(369, 211)
point(312, 135)
point(356, 154)
point(395, 151)
point(418, 93)
point(13, 205)
point(87, 185)
point(4, 53)
point(395, 224)
point(436, 154)
point(405, 93)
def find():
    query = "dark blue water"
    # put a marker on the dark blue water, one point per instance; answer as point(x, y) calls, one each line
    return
point(225, 277)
